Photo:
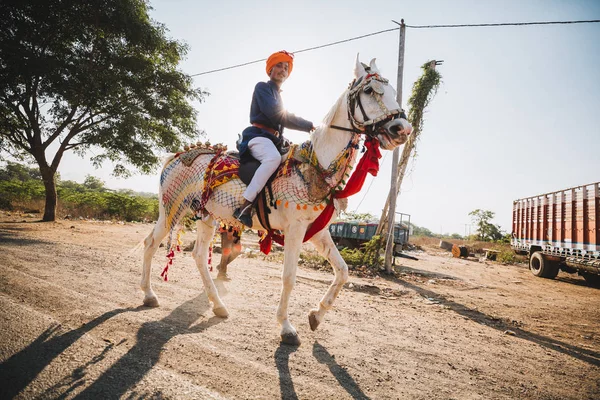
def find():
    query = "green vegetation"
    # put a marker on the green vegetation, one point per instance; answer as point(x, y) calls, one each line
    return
point(82, 75)
point(368, 254)
point(507, 256)
point(424, 90)
point(354, 216)
point(486, 231)
point(421, 231)
point(22, 188)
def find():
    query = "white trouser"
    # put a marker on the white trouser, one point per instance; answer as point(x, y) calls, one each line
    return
point(264, 151)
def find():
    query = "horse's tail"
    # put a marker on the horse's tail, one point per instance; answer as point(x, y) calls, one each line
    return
point(137, 248)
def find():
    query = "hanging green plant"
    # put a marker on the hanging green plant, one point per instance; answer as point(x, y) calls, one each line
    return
point(424, 89)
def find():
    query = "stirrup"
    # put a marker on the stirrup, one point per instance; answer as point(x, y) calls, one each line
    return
point(245, 219)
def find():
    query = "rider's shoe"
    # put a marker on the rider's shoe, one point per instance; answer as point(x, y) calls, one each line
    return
point(244, 215)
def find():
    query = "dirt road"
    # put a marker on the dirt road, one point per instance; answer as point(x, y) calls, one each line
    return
point(72, 326)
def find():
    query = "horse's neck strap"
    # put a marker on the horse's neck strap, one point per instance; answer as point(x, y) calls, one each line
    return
point(342, 128)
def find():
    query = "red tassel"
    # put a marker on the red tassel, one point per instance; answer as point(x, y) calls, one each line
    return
point(265, 244)
point(170, 256)
point(165, 271)
point(210, 258)
point(178, 248)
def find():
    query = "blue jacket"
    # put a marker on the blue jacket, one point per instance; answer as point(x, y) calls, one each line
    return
point(267, 109)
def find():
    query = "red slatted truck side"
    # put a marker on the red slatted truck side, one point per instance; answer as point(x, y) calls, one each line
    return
point(560, 231)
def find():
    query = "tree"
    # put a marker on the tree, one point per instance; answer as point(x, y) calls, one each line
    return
point(421, 231)
point(354, 216)
point(76, 74)
point(94, 183)
point(486, 231)
point(18, 172)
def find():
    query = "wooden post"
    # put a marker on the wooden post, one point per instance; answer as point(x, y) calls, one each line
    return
point(389, 248)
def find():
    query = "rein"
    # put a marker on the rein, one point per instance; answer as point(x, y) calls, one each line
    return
point(341, 128)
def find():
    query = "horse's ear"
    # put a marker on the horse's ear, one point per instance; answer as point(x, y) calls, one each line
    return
point(373, 67)
point(359, 69)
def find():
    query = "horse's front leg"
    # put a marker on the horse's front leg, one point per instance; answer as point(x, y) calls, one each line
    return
point(293, 244)
point(206, 231)
point(326, 247)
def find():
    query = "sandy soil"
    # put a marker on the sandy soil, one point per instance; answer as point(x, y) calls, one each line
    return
point(72, 326)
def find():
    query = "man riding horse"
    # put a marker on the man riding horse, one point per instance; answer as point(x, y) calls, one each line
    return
point(264, 139)
point(309, 189)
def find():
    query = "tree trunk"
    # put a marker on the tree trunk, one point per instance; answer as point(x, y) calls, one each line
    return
point(404, 158)
point(50, 186)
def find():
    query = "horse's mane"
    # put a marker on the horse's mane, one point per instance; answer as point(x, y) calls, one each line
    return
point(328, 119)
point(317, 137)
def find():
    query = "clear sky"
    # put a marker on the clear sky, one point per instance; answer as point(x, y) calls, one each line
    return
point(517, 114)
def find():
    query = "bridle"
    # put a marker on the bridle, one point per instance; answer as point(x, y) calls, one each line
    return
point(372, 84)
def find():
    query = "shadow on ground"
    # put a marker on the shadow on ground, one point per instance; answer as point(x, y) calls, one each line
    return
point(12, 236)
point(588, 356)
point(22, 368)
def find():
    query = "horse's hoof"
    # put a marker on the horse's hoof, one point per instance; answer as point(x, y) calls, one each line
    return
point(291, 339)
point(313, 321)
point(221, 312)
point(151, 302)
point(223, 277)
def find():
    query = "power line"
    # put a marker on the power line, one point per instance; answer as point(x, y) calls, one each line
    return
point(370, 184)
point(395, 29)
point(504, 24)
point(300, 51)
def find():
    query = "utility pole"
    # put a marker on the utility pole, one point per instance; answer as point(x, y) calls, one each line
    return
point(389, 247)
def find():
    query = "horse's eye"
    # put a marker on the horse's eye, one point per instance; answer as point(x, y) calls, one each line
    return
point(368, 89)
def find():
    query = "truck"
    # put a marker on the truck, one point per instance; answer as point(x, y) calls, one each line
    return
point(353, 234)
point(560, 231)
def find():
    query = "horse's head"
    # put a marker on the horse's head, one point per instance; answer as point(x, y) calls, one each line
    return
point(373, 109)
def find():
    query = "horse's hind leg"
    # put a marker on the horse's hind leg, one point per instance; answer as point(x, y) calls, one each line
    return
point(151, 244)
point(206, 231)
point(231, 247)
point(326, 247)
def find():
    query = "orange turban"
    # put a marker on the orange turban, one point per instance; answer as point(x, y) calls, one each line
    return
point(280, 56)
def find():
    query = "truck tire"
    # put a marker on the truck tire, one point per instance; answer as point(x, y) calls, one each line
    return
point(591, 279)
point(541, 267)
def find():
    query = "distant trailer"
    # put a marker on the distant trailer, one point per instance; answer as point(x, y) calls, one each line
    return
point(353, 234)
point(560, 231)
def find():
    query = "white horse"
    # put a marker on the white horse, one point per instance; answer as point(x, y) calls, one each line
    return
point(367, 109)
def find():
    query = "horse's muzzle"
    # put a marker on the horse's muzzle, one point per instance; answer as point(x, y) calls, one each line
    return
point(394, 133)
